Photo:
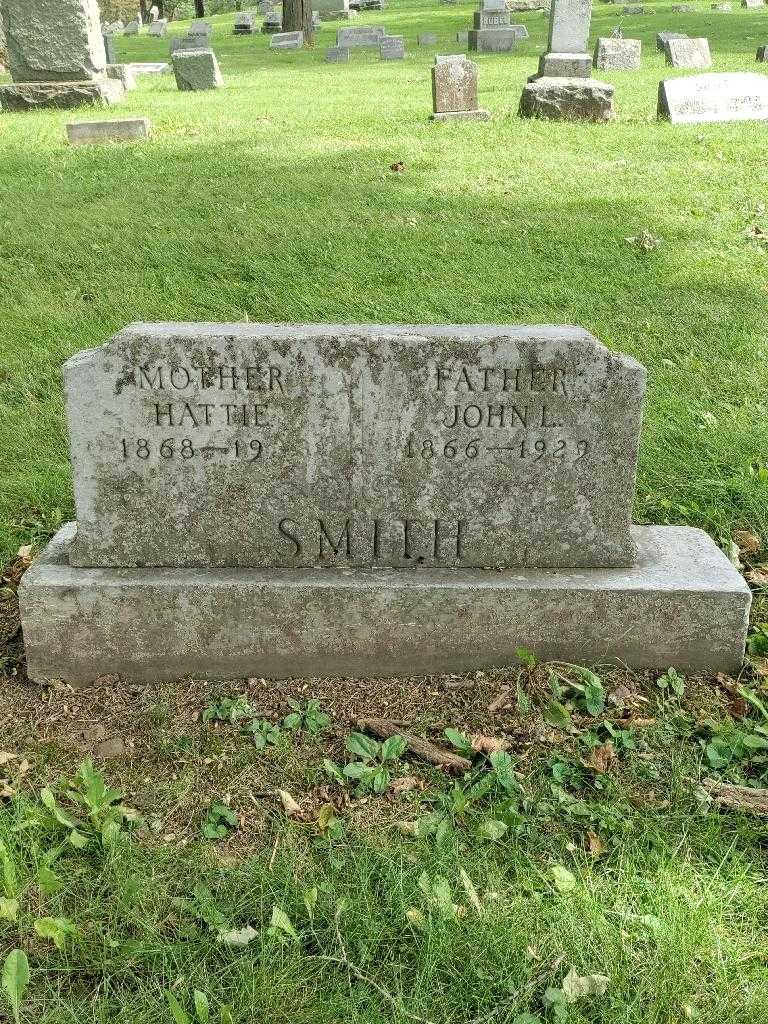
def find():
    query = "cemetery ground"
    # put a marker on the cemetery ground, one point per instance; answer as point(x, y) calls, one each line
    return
point(579, 868)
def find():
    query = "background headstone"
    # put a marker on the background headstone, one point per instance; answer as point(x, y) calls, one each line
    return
point(196, 70)
point(392, 48)
point(688, 53)
point(663, 37)
point(728, 96)
point(366, 37)
point(617, 54)
point(427, 39)
point(454, 89)
point(83, 133)
point(337, 55)
point(286, 41)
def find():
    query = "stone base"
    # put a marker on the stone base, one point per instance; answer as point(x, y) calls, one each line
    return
point(61, 95)
point(567, 99)
point(491, 40)
point(682, 604)
point(564, 65)
point(461, 115)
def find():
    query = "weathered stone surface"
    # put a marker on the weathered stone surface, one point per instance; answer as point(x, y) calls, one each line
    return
point(159, 28)
point(521, 32)
point(149, 67)
point(762, 54)
point(617, 54)
point(53, 40)
point(196, 70)
point(565, 65)
point(682, 604)
point(567, 99)
point(110, 50)
point(392, 48)
point(454, 84)
point(730, 96)
point(753, 3)
point(462, 115)
point(491, 40)
point(368, 36)
point(59, 95)
point(133, 28)
point(124, 74)
point(272, 23)
point(491, 19)
point(569, 26)
point(245, 24)
point(287, 41)
point(663, 37)
point(427, 39)
point(316, 427)
point(128, 129)
point(331, 7)
point(337, 55)
point(725, 8)
point(633, 9)
point(462, 38)
point(688, 53)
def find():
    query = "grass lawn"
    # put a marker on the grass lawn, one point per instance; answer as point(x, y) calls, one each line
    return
point(440, 900)
point(272, 200)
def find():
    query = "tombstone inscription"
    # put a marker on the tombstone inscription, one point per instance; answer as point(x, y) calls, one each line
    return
point(725, 96)
point(331, 499)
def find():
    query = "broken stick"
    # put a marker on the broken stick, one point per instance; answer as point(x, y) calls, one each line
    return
point(738, 798)
point(383, 728)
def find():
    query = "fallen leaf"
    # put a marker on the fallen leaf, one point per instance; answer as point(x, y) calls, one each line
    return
point(760, 667)
point(595, 844)
point(398, 167)
point(600, 758)
point(5, 757)
point(238, 937)
point(758, 577)
point(404, 784)
point(749, 543)
point(291, 808)
point(579, 987)
point(488, 744)
point(25, 553)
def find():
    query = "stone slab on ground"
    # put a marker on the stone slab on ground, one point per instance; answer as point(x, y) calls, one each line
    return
point(128, 129)
point(723, 96)
point(286, 41)
point(492, 40)
point(60, 95)
point(617, 54)
point(462, 115)
point(124, 74)
point(682, 604)
point(564, 65)
point(567, 99)
point(337, 55)
point(196, 70)
point(363, 37)
point(149, 67)
point(275, 445)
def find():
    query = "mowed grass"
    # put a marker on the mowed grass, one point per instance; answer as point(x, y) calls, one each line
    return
point(272, 200)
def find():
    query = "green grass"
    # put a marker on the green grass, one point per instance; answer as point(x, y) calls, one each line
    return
point(272, 200)
point(671, 909)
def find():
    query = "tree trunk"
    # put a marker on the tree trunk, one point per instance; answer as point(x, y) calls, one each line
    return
point(297, 17)
point(143, 11)
point(199, 8)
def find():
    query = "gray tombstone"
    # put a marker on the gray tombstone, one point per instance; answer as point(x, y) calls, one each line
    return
point(367, 37)
point(491, 30)
point(56, 55)
point(427, 39)
point(337, 55)
point(663, 37)
point(753, 4)
point(392, 48)
point(272, 23)
point(617, 54)
point(245, 24)
point(286, 41)
point(729, 96)
point(110, 50)
point(159, 28)
point(762, 54)
point(462, 38)
point(454, 90)
point(196, 70)
point(133, 28)
point(688, 53)
point(225, 474)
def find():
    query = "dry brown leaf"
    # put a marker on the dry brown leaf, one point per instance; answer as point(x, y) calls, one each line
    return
point(758, 577)
point(595, 844)
point(749, 543)
point(600, 758)
point(760, 667)
point(291, 808)
point(25, 553)
point(488, 744)
point(404, 784)
point(5, 757)
point(398, 167)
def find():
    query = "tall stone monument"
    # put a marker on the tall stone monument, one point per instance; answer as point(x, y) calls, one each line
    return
point(492, 30)
point(271, 500)
point(56, 55)
point(562, 89)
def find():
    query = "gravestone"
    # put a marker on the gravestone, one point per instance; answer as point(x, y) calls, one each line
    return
point(688, 53)
point(427, 39)
point(491, 30)
point(753, 3)
point(364, 37)
point(372, 5)
point(725, 8)
point(315, 21)
point(462, 38)
point(150, 67)
point(392, 48)
point(617, 54)
point(454, 90)
point(337, 55)
point(110, 50)
point(272, 23)
point(521, 32)
point(130, 129)
point(331, 10)
point(287, 41)
point(762, 54)
point(124, 74)
point(133, 28)
point(159, 28)
point(56, 55)
point(662, 39)
point(728, 96)
point(225, 473)
point(196, 70)
point(563, 89)
point(245, 24)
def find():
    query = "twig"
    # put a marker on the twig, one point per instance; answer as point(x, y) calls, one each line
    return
point(738, 798)
point(384, 728)
point(274, 853)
